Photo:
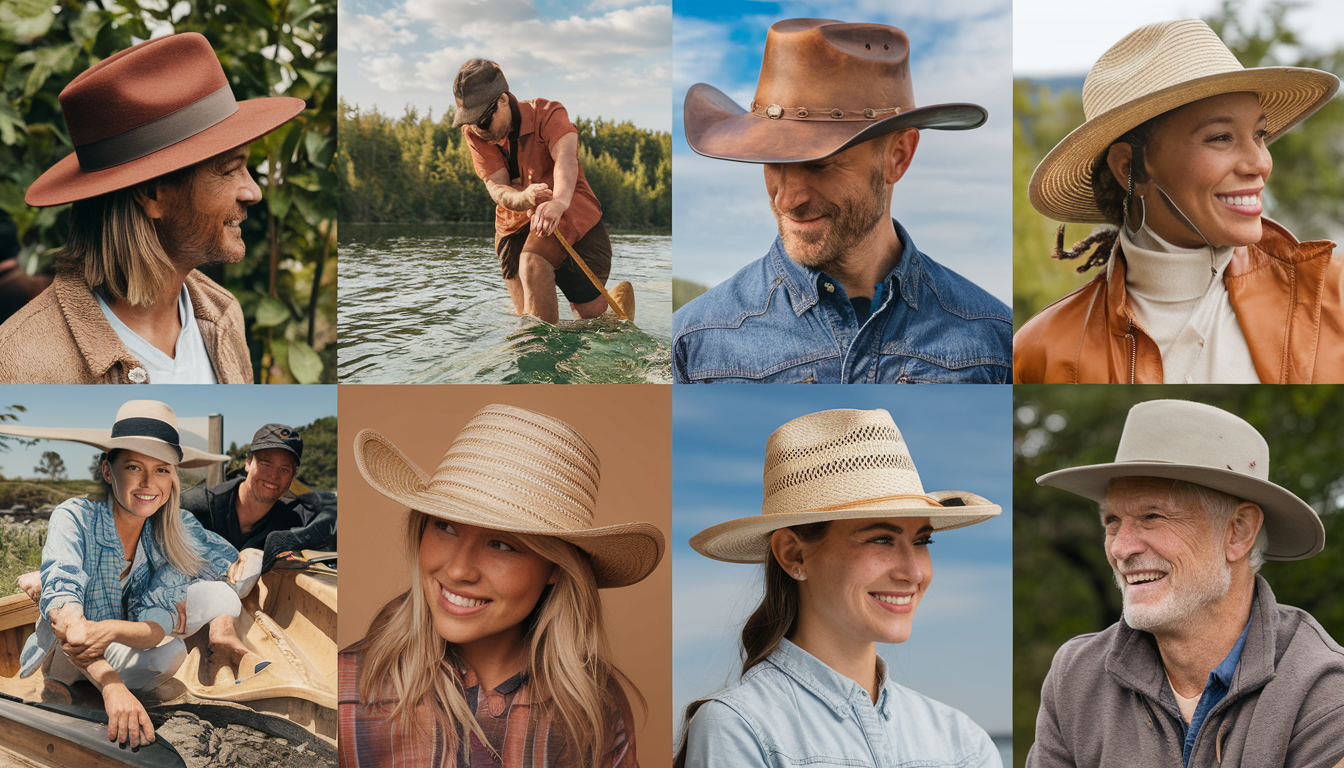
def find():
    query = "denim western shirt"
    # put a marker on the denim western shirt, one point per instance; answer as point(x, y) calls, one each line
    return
point(794, 710)
point(776, 321)
point(82, 561)
point(1215, 690)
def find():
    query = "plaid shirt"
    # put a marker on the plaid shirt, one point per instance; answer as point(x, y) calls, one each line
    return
point(523, 737)
point(82, 562)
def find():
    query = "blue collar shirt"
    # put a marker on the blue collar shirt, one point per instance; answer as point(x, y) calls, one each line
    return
point(1215, 690)
point(776, 321)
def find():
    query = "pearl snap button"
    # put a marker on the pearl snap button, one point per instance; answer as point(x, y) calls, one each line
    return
point(138, 375)
point(830, 288)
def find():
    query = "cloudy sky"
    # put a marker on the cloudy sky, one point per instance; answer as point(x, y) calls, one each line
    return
point(601, 58)
point(961, 650)
point(956, 199)
point(96, 408)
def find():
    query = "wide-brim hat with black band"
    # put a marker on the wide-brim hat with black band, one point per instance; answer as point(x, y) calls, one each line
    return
point(151, 109)
point(143, 426)
point(1154, 70)
point(837, 465)
point(478, 84)
point(515, 470)
point(1204, 445)
point(825, 86)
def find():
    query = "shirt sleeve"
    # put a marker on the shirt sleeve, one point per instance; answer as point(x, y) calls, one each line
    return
point(1049, 750)
point(316, 532)
point(168, 587)
point(63, 575)
point(719, 737)
point(553, 123)
point(485, 158)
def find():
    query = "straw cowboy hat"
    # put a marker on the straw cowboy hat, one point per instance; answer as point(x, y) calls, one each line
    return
point(515, 470)
point(825, 86)
point(837, 465)
point(1154, 70)
point(143, 426)
point(151, 109)
point(1204, 445)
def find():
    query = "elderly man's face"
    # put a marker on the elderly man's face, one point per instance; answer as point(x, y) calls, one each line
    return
point(1168, 557)
point(202, 219)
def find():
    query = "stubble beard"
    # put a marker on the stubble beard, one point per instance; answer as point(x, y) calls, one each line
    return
point(851, 219)
point(1183, 606)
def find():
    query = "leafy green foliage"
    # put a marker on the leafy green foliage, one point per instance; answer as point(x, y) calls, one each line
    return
point(287, 283)
point(51, 465)
point(416, 169)
point(318, 470)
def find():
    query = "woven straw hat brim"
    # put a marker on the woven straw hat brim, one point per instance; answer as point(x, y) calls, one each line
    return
point(1061, 186)
point(621, 554)
point(747, 539)
point(66, 182)
point(717, 127)
point(1294, 529)
point(103, 440)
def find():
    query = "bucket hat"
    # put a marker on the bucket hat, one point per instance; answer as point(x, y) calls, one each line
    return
point(515, 470)
point(1153, 70)
point(1204, 445)
point(477, 85)
point(837, 465)
point(825, 86)
point(143, 426)
point(151, 109)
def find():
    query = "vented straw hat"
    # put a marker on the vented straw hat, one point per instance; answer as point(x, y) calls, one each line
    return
point(515, 470)
point(837, 465)
point(1153, 70)
point(143, 426)
point(1204, 445)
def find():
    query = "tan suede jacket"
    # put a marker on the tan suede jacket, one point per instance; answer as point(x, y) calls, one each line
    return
point(1289, 300)
point(62, 337)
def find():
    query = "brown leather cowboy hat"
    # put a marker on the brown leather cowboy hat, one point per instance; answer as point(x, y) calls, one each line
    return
point(151, 109)
point(825, 86)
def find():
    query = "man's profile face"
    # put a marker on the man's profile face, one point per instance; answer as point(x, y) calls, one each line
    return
point(826, 207)
point(498, 127)
point(1168, 558)
point(269, 473)
point(203, 216)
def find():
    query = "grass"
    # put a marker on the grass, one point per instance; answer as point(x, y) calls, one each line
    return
point(34, 493)
point(20, 552)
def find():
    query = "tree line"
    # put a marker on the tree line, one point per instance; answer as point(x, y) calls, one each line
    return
point(418, 169)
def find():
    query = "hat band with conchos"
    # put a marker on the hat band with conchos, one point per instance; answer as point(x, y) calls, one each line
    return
point(158, 134)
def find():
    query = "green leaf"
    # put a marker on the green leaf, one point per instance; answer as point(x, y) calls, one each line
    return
point(320, 147)
point(277, 200)
point(304, 363)
point(24, 21)
point(11, 122)
point(271, 312)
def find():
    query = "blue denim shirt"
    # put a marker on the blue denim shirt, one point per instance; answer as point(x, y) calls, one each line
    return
point(82, 561)
point(777, 321)
point(793, 710)
point(1215, 690)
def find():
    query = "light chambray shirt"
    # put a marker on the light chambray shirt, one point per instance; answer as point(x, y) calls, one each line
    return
point(794, 710)
point(190, 363)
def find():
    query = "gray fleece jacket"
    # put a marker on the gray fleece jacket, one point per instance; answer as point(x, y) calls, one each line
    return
point(1106, 700)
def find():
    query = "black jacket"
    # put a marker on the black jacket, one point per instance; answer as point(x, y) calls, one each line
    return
point(308, 523)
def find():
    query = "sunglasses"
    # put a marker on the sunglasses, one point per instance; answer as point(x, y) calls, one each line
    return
point(488, 117)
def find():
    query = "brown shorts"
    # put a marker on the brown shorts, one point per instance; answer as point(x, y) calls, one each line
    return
point(594, 248)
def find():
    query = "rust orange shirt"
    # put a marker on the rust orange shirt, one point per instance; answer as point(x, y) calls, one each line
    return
point(541, 124)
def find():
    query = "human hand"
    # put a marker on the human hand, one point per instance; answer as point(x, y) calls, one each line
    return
point(31, 584)
point(127, 720)
point(536, 194)
point(86, 641)
point(547, 217)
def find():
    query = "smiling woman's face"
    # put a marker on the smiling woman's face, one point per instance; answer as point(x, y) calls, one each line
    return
point(140, 484)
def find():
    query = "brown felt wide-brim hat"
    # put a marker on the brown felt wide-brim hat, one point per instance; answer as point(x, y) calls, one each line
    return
point(515, 470)
point(1154, 70)
point(142, 426)
point(151, 109)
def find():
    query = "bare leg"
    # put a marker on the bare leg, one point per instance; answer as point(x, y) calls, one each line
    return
point(516, 293)
point(225, 647)
point(590, 309)
point(538, 279)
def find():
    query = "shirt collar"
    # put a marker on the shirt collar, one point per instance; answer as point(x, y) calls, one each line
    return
point(834, 689)
point(802, 282)
point(1223, 672)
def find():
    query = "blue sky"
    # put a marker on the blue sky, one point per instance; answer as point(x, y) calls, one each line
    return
point(244, 407)
point(960, 438)
point(956, 200)
point(601, 58)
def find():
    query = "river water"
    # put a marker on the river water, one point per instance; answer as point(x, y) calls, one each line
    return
point(425, 304)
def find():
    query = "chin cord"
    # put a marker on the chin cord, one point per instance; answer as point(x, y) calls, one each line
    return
point(1180, 216)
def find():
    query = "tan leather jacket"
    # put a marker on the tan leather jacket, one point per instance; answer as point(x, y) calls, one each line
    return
point(62, 336)
point(1289, 300)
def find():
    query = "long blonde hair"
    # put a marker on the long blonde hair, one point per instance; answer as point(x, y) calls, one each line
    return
point(165, 525)
point(569, 658)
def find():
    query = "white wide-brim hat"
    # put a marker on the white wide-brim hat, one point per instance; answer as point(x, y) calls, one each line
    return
point(1204, 445)
point(144, 426)
point(515, 470)
point(837, 465)
point(1153, 70)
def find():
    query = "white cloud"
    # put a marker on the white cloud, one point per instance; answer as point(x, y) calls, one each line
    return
point(366, 34)
point(449, 17)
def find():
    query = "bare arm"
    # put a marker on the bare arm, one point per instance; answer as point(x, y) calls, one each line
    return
point(514, 199)
point(127, 720)
point(86, 641)
point(565, 153)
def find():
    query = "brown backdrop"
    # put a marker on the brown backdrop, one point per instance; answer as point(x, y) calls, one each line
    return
point(631, 429)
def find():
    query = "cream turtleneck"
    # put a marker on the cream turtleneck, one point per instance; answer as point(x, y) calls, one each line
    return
point(1185, 308)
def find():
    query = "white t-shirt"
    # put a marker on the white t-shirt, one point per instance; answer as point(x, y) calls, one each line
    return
point(190, 363)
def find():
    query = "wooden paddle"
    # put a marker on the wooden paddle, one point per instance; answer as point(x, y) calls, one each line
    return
point(615, 305)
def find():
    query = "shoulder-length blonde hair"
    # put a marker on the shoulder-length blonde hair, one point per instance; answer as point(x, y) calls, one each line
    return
point(569, 658)
point(165, 525)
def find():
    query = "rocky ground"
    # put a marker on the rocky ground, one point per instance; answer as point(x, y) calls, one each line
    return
point(203, 745)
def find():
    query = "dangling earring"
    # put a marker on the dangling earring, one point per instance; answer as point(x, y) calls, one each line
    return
point(1129, 199)
point(798, 574)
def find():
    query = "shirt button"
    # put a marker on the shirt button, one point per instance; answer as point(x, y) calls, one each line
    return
point(830, 288)
point(138, 375)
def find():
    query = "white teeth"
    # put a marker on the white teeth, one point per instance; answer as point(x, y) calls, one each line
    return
point(1239, 199)
point(895, 600)
point(465, 602)
point(1143, 576)
point(144, 498)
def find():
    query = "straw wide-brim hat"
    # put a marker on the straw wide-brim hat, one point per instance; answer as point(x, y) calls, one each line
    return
point(1204, 445)
point(151, 109)
point(837, 465)
point(144, 426)
point(515, 470)
point(825, 86)
point(1154, 70)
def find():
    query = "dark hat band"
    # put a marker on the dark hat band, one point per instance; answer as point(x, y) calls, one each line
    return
point(158, 134)
point(776, 112)
point(141, 426)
